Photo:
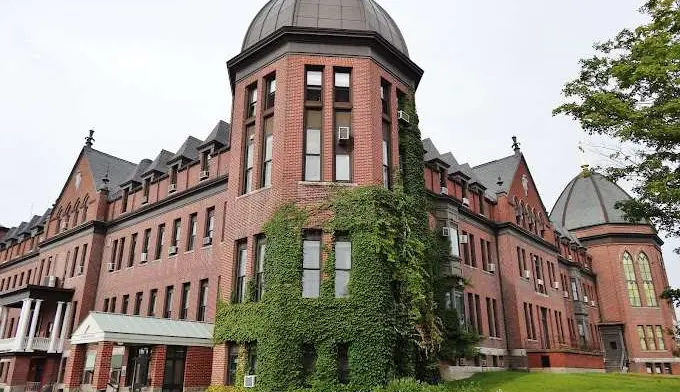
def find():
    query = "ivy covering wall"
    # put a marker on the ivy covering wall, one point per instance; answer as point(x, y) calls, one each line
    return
point(390, 321)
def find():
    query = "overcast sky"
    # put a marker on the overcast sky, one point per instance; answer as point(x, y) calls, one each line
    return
point(145, 74)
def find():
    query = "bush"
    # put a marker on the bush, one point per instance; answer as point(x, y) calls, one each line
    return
point(400, 385)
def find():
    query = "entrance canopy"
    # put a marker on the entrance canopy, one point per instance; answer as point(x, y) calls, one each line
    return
point(121, 328)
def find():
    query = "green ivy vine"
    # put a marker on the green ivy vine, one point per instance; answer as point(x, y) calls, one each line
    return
point(390, 322)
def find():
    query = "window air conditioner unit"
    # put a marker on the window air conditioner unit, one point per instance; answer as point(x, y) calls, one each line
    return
point(565, 294)
point(207, 241)
point(111, 266)
point(585, 298)
point(172, 188)
point(144, 257)
point(592, 303)
point(172, 250)
point(444, 190)
point(249, 381)
point(81, 269)
point(464, 239)
point(556, 285)
point(204, 174)
point(492, 267)
point(466, 202)
point(446, 231)
point(403, 116)
point(50, 281)
point(343, 133)
point(540, 282)
point(527, 274)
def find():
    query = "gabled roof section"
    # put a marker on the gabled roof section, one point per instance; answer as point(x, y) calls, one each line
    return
point(160, 164)
point(31, 224)
point(505, 168)
point(220, 136)
point(187, 152)
point(135, 177)
point(99, 327)
point(105, 165)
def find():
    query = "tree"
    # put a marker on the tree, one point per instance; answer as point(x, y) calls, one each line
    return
point(630, 91)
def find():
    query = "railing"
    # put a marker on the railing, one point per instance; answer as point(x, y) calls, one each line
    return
point(567, 344)
point(32, 386)
point(39, 344)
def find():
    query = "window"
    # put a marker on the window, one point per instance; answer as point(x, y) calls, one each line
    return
point(270, 99)
point(308, 361)
point(145, 190)
point(342, 85)
point(494, 305)
point(252, 359)
point(647, 283)
point(343, 363)
point(138, 303)
point(249, 156)
point(152, 302)
point(133, 246)
point(259, 274)
point(660, 344)
point(73, 265)
point(574, 290)
point(81, 269)
point(202, 301)
point(473, 255)
point(145, 245)
point(311, 273)
point(478, 313)
point(209, 226)
point(126, 195)
point(386, 155)
point(313, 145)
point(105, 308)
point(176, 233)
point(242, 260)
point(385, 95)
point(481, 202)
point(343, 266)
point(232, 363)
point(641, 336)
point(485, 260)
point(167, 308)
point(490, 317)
point(313, 83)
point(138, 367)
point(193, 229)
point(251, 109)
point(160, 239)
point(454, 241)
point(119, 261)
point(343, 166)
point(651, 342)
point(466, 249)
point(112, 307)
point(173, 176)
point(112, 264)
point(205, 162)
point(267, 151)
point(126, 303)
point(184, 309)
point(89, 367)
point(629, 273)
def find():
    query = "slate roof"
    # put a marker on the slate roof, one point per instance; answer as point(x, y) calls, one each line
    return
point(188, 151)
point(102, 165)
point(588, 200)
point(136, 175)
point(361, 15)
point(160, 164)
point(26, 227)
point(504, 168)
point(220, 135)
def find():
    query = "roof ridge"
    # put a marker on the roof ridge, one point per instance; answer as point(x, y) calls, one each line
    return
point(495, 161)
point(109, 155)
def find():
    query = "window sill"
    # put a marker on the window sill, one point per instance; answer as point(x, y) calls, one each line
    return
point(253, 192)
point(188, 252)
point(328, 184)
point(207, 246)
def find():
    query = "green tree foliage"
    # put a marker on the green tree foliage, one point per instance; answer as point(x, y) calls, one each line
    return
point(630, 90)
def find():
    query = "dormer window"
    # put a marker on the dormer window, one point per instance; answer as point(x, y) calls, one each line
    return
point(271, 92)
point(251, 109)
point(173, 178)
point(464, 186)
point(145, 189)
point(126, 195)
point(205, 157)
point(481, 202)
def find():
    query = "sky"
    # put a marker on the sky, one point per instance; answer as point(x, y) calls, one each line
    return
point(147, 73)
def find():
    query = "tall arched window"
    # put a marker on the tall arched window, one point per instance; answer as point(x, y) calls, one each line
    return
point(629, 273)
point(84, 216)
point(524, 214)
point(647, 284)
point(518, 211)
point(75, 213)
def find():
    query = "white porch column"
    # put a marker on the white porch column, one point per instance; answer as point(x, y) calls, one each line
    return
point(55, 328)
point(65, 325)
point(34, 324)
point(3, 320)
point(22, 325)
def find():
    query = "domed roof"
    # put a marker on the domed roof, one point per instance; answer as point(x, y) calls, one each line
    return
point(355, 15)
point(588, 200)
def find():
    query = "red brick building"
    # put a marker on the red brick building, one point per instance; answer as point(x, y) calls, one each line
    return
point(118, 282)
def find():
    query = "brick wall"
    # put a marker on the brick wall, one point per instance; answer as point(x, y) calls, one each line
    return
point(198, 367)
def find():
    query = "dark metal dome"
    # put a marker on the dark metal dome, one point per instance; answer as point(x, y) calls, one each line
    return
point(355, 15)
point(588, 200)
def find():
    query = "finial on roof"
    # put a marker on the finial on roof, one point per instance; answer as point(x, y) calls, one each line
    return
point(89, 140)
point(585, 167)
point(515, 145)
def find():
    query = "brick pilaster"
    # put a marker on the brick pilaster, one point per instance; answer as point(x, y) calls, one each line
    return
point(102, 367)
point(75, 365)
point(157, 366)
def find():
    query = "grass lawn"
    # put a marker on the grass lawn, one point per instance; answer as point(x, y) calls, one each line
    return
point(546, 382)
